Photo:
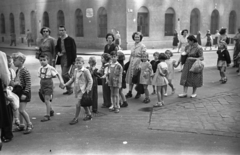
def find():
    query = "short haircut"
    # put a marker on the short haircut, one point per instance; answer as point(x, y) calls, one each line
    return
point(61, 26)
point(155, 53)
point(106, 57)
point(138, 33)
point(224, 44)
point(20, 56)
point(93, 60)
point(162, 56)
point(114, 53)
point(121, 55)
point(223, 31)
point(44, 56)
point(192, 38)
point(144, 55)
point(79, 59)
point(169, 53)
point(183, 31)
point(45, 28)
point(110, 34)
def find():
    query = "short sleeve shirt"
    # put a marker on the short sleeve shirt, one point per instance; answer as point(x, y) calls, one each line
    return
point(47, 72)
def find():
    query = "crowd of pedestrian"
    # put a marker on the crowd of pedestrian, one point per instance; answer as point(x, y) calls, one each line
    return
point(113, 75)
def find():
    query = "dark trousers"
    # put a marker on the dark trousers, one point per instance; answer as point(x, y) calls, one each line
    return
point(7, 131)
point(106, 94)
point(13, 42)
point(95, 98)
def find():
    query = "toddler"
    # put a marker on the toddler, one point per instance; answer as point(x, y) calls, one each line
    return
point(154, 64)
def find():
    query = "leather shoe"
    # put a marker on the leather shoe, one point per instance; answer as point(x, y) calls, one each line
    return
point(182, 95)
point(68, 92)
point(74, 121)
point(193, 95)
point(137, 96)
point(6, 140)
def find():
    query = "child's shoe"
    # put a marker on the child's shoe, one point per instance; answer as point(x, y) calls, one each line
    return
point(129, 95)
point(173, 91)
point(125, 104)
point(88, 118)
point(146, 100)
point(117, 110)
point(19, 128)
point(46, 118)
point(74, 121)
point(154, 92)
point(111, 108)
point(51, 113)
point(165, 94)
point(159, 104)
point(29, 129)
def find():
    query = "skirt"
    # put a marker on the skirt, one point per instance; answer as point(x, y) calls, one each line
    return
point(190, 79)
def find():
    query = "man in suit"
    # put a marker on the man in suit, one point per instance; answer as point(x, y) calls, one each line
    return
point(66, 49)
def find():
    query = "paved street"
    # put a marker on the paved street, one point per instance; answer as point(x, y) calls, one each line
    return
point(209, 124)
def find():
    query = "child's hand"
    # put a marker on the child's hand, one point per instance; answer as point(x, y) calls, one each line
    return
point(23, 97)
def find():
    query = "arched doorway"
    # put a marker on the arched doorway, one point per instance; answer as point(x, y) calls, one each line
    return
point(12, 24)
point(102, 22)
point(45, 20)
point(214, 21)
point(34, 26)
point(195, 21)
point(232, 22)
point(60, 18)
point(79, 23)
point(143, 21)
point(169, 22)
point(22, 23)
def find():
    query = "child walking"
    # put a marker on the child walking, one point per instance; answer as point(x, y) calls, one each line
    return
point(121, 58)
point(145, 75)
point(46, 73)
point(209, 40)
point(12, 98)
point(105, 88)
point(114, 80)
point(93, 70)
point(160, 80)
point(82, 83)
point(170, 76)
point(224, 61)
point(154, 64)
point(22, 88)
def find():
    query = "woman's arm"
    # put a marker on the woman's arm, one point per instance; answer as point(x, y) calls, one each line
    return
point(4, 72)
point(89, 80)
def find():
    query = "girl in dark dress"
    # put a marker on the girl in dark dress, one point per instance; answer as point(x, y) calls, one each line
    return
point(175, 39)
point(209, 40)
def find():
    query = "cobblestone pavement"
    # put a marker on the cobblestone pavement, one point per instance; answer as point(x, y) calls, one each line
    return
point(216, 115)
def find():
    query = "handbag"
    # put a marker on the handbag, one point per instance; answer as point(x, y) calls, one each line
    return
point(227, 40)
point(136, 77)
point(86, 100)
point(58, 60)
point(139, 88)
point(197, 66)
point(38, 53)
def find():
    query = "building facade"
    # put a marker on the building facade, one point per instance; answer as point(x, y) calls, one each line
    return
point(88, 21)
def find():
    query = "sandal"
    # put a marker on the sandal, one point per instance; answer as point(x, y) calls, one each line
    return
point(19, 128)
point(46, 118)
point(159, 104)
point(74, 121)
point(88, 118)
point(29, 129)
point(117, 110)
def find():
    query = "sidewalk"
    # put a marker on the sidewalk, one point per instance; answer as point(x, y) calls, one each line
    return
point(88, 51)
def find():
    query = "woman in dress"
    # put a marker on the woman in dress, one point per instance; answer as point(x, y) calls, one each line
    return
point(223, 36)
point(110, 43)
point(175, 39)
point(183, 43)
point(5, 110)
point(135, 59)
point(47, 45)
point(190, 79)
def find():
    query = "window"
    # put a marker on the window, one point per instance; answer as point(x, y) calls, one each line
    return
point(194, 21)
point(232, 22)
point(79, 23)
point(22, 23)
point(12, 26)
point(2, 24)
point(169, 22)
point(143, 21)
point(60, 18)
point(45, 20)
point(102, 22)
point(214, 21)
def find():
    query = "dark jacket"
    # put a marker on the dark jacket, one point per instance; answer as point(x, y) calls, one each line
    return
point(70, 47)
point(112, 48)
point(224, 55)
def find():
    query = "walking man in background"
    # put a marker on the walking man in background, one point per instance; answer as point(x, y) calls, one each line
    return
point(66, 50)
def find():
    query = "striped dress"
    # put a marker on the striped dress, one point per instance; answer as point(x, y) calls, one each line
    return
point(190, 79)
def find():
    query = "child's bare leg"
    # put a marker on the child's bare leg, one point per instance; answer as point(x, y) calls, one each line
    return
point(122, 96)
point(159, 94)
point(23, 112)
point(116, 90)
point(146, 91)
point(48, 104)
point(162, 93)
point(154, 90)
point(78, 109)
point(87, 110)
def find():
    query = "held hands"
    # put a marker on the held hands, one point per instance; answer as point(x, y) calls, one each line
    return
point(23, 97)
point(62, 85)
point(59, 54)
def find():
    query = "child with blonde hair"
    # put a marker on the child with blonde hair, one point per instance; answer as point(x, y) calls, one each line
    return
point(22, 88)
point(170, 76)
point(145, 75)
point(83, 81)
point(160, 80)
